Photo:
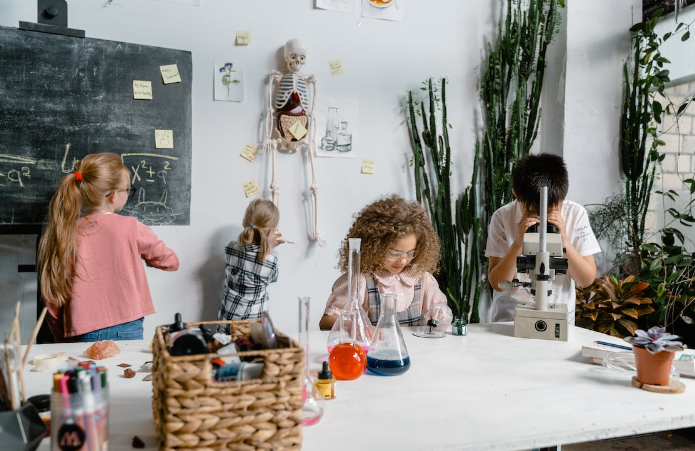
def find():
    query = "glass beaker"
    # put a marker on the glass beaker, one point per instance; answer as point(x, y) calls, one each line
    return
point(349, 339)
point(387, 354)
point(312, 410)
point(352, 324)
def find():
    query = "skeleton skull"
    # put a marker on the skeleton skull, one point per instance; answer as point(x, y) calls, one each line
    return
point(295, 55)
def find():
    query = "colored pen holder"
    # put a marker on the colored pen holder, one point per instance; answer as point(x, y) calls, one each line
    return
point(80, 421)
point(21, 429)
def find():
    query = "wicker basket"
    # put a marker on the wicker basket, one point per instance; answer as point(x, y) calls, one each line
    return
point(191, 411)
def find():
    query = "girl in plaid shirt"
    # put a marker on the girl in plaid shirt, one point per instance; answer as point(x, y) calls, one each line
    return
point(250, 266)
point(399, 252)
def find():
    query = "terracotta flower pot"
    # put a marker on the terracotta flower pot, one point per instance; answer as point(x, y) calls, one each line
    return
point(653, 369)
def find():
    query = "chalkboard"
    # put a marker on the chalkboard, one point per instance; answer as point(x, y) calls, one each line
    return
point(62, 98)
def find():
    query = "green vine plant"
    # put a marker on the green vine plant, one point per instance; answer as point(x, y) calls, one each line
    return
point(620, 219)
point(660, 257)
point(510, 94)
point(431, 164)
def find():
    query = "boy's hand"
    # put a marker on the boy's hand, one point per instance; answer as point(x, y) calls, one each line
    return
point(527, 221)
point(555, 218)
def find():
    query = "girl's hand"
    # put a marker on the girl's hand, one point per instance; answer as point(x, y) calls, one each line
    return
point(274, 238)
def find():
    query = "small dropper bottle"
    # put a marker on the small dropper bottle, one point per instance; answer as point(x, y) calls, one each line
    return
point(325, 382)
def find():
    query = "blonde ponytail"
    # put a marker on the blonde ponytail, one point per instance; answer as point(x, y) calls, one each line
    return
point(79, 193)
point(260, 217)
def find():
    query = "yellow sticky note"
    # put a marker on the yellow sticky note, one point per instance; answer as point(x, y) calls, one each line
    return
point(170, 74)
point(243, 37)
point(250, 188)
point(367, 167)
point(297, 130)
point(249, 152)
point(163, 139)
point(336, 67)
point(142, 89)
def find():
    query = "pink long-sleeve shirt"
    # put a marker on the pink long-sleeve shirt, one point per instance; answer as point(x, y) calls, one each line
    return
point(110, 285)
point(402, 285)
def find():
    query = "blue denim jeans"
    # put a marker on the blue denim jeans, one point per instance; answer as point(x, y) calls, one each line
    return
point(125, 331)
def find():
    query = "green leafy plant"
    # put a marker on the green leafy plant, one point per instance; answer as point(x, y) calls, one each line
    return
point(510, 93)
point(620, 219)
point(432, 173)
point(670, 272)
point(612, 306)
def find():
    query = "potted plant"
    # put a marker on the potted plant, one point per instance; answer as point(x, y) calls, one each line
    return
point(654, 351)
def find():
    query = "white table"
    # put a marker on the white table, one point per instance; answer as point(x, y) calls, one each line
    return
point(485, 391)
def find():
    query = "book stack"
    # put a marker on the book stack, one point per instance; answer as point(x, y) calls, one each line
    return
point(684, 361)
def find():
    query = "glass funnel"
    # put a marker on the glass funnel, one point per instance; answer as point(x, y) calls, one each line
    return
point(387, 354)
point(352, 325)
point(312, 409)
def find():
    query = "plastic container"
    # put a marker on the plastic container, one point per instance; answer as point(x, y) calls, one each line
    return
point(80, 420)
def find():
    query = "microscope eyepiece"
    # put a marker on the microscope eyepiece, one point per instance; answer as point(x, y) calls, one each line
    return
point(550, 228)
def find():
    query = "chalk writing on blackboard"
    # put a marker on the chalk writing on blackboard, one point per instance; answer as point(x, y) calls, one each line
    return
point(16, 171)
point(64, 98)
point(152, 212)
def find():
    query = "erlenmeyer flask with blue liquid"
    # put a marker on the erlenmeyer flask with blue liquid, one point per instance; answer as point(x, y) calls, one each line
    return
point(387, 354)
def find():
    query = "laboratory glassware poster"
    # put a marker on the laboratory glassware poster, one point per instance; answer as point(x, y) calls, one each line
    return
point(336, 127)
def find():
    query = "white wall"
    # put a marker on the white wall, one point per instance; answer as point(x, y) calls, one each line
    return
point(381, 60)
point(598, 41)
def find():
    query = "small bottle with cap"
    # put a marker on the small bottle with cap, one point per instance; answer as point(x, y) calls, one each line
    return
point(325, 382)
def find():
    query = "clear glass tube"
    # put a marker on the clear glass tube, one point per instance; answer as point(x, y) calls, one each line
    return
point(352, 325)
point(313, 400)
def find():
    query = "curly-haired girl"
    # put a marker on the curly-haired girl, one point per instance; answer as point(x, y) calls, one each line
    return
point(399, 251)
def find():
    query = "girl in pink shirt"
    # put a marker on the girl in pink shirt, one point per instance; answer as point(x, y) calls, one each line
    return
point(398, 253)
point(90, 259)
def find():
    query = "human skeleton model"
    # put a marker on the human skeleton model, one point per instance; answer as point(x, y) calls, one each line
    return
point(294, 102)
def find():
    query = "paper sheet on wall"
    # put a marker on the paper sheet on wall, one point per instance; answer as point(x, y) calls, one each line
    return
point(250, 188)
point(249, 152)
point(336, 127)
point(243, 37)
point(367, 167)
point(348, 6)
point(383, 9)
point(336, 67)
point(228, 80)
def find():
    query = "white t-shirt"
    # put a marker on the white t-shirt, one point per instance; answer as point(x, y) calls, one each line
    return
point(503, 231)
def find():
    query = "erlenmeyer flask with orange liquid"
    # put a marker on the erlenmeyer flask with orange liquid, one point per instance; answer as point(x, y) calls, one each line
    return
point(348, 342)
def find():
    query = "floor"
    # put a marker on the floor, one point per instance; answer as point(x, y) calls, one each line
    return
point(678, 440)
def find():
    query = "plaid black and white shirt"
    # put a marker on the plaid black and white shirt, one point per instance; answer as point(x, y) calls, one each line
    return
point(245, 294)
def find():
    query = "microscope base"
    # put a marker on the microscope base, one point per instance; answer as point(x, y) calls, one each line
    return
point(551, 324)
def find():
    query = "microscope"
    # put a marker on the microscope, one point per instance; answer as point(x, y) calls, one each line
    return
point(542, 260)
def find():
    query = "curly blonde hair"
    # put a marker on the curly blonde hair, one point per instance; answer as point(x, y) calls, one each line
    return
point(384, 221)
